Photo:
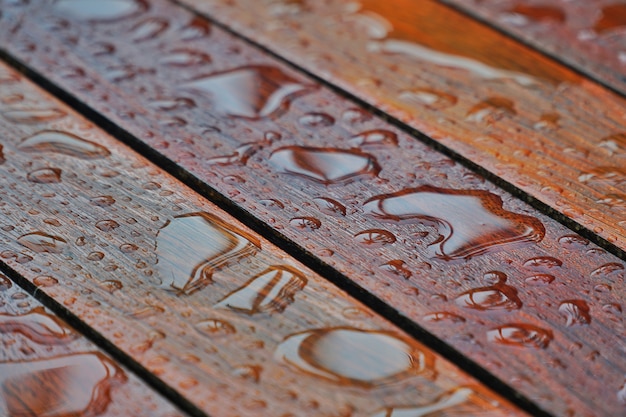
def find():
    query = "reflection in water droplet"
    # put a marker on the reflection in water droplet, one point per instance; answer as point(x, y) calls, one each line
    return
point(42, 242)
point(215, 327)
point(99, 10)
point(613, 17)
point(444, 316)
point(77, 384)
point(324, 165)
point(27, 116)
point(193, 246)
point(330, 206)
point(397, 267)
point(542, 263)
point(428, 97)
point(607, 269)
point(350, 356)
point(64, 143)
point(251, 92)
point(38, 326)
point(523, 335)
point(305, 223)
point(271, 291)
point(148, 29)
point(490, 110)
point(470, 222)
point(375, 237)
point(374, 138)
point(45, 176)
point(498, 297)
point(575, 311)
point(315, 120)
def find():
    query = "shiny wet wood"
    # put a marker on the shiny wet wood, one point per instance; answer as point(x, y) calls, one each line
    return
point(216, 312)
point(532, 306)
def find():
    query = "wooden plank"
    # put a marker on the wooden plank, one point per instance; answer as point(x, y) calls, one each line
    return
point(214, 311)
point(297, 157)
point(47, 368)
point(511, 110)
point(589, 35)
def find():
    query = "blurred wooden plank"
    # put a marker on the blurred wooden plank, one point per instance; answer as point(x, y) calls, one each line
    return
point(217, 313)
point(589, 35)
point(49, 369)
point(316, 168)
point(507, 108)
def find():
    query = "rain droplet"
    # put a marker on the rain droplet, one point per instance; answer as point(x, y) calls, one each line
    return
point(519, 334)
point(350, 356)
point(215, 327)
point(539, 279)
point(324, 165)
point(316, 120)
point(63, 143)
point(107, 225)
point(192, 246)
point(251, 92)
point(498, 297)
point(330, 206)
point(374, 138)
point(240, 156)
point(305, 223)
point(178, 103)
point(42, 242)
point(575, 311)
point(538, 13)
point(45, 176)
point(470, 222)
point(98, 10)
point(429, 97)
point(197, 28)
point(28, 116)
point(375, 237)
point(444, 316)
point(272, 203)
point(542, 263)
point(397, 267)
point(102, 201)
point(95, 256)
point(249, 372)
point(147, 29)
point(573, 242)
point(607, 269)
point(45, 281)
point(38, 326)
point(355, 115)
point(614, 144)
point(271, 291)
point(185, 58)
point(490, 110)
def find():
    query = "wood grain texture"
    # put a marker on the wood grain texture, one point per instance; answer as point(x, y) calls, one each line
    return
point(518, 293)
point(509, 109)
point(589, 35)
point(49, 369)
point(216, 312)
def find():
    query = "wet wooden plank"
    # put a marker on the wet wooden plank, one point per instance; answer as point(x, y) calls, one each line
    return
point(521, 295)
point(216, 312)
point(509, 109)
point(589, 35)
point(47, 368)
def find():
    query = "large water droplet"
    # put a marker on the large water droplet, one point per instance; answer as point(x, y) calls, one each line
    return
point(64, 143)
point(575, 311)
point(350, 356)
point(374, 138)
point(470, 222)
point(324, 165)
point(253, 91)
point(520, 334)
point(497, 297)
point(78, 384)
point(27, 116)
point(42, 242)
point(45, 176)
point(543, 263)
point(271, 291)
point(607, 269)
point(98, 10)
point(375, 237)
point(215, 327)
point(193, 246)
point(38, 326)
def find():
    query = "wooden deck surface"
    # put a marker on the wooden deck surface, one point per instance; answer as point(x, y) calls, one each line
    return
point(327, 260)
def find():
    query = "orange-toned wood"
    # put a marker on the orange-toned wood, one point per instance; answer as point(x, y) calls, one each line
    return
point(589, 35)
point(524, 297)
point(216, 312)
point(49, 369)
point(511, 110)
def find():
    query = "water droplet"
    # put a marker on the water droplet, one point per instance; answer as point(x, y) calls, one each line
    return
point(575, 311)
point(613, 17)
point(490, 110)
point(240, 156)
point(45, 176)
point(428, 97)
point(2, 159)
point(374, 138)
point(272, 203)
point(252, 92)
point(178, 103)
point(249, 372)
point(573, 242)
point(38, 326)
point(353, 116)
point(197, 28)
point(305, 223)
point(102, 201)
point(215, 327)
point(612, 308)
point(316, 120)
point(45, 281)
point(192, 246)
point(184, 58)
point(497, 297)
point(111, 285)
point(538, 13)
point(375, 237)
point(539, 279)
point(147, 29)
point(107, 225)
point(82, 385)
point(95, 256)
point(64, 143)
point(548, 121)
point(604, 175)
point(444, 316)
point(5, 282)
point(607, 269)
point(97, 10)
point(542, 263)
point(397, 267)
point(42, 242)
point(519, 334)
point(27, 116)
point(350, 356)
point(330, 206)
point(469, 222)
point(271, 291)
point(324, 165)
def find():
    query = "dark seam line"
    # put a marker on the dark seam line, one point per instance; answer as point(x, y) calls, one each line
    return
point(572, 66)
point(438, 146)
point(102, 342)
point(291, 248)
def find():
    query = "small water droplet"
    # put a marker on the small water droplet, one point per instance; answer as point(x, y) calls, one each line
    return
point(111, 285)
point(107, 225)
point(128, 247)
point(575, 311)
point(375, 237)
point(444, 316)
point(240, 156)
point(374, 138)
point(573, 242)
point(316, 120)
point(63, 143)
point(96, 10)
point(519, 334)
point(612, 308)
point(490, 110)
point(324, 165)
point(102, 201)
point(42, 242)
point(272, 203)
point(36, 115)
point(5, 282)
point(353, 116)
point(548, 121)
point(197, 28)
point(542, 263)
point(185, 58)
point(397, 267)
point(95, 256)
point(607, 269)
point(539, 279)
point(270, 291)
point(215, 327)
point(305, 223)
point(45, 281)
point(45, 176)
point(428, 97)
point(249, 372)
point(148, 29)
point(330, 206)
point(349, 356)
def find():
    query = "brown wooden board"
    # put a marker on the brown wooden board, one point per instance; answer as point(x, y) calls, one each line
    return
point(590, 35)
point(47, 368)
point(532, 302)
point(521, 116)
point(214, 311)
